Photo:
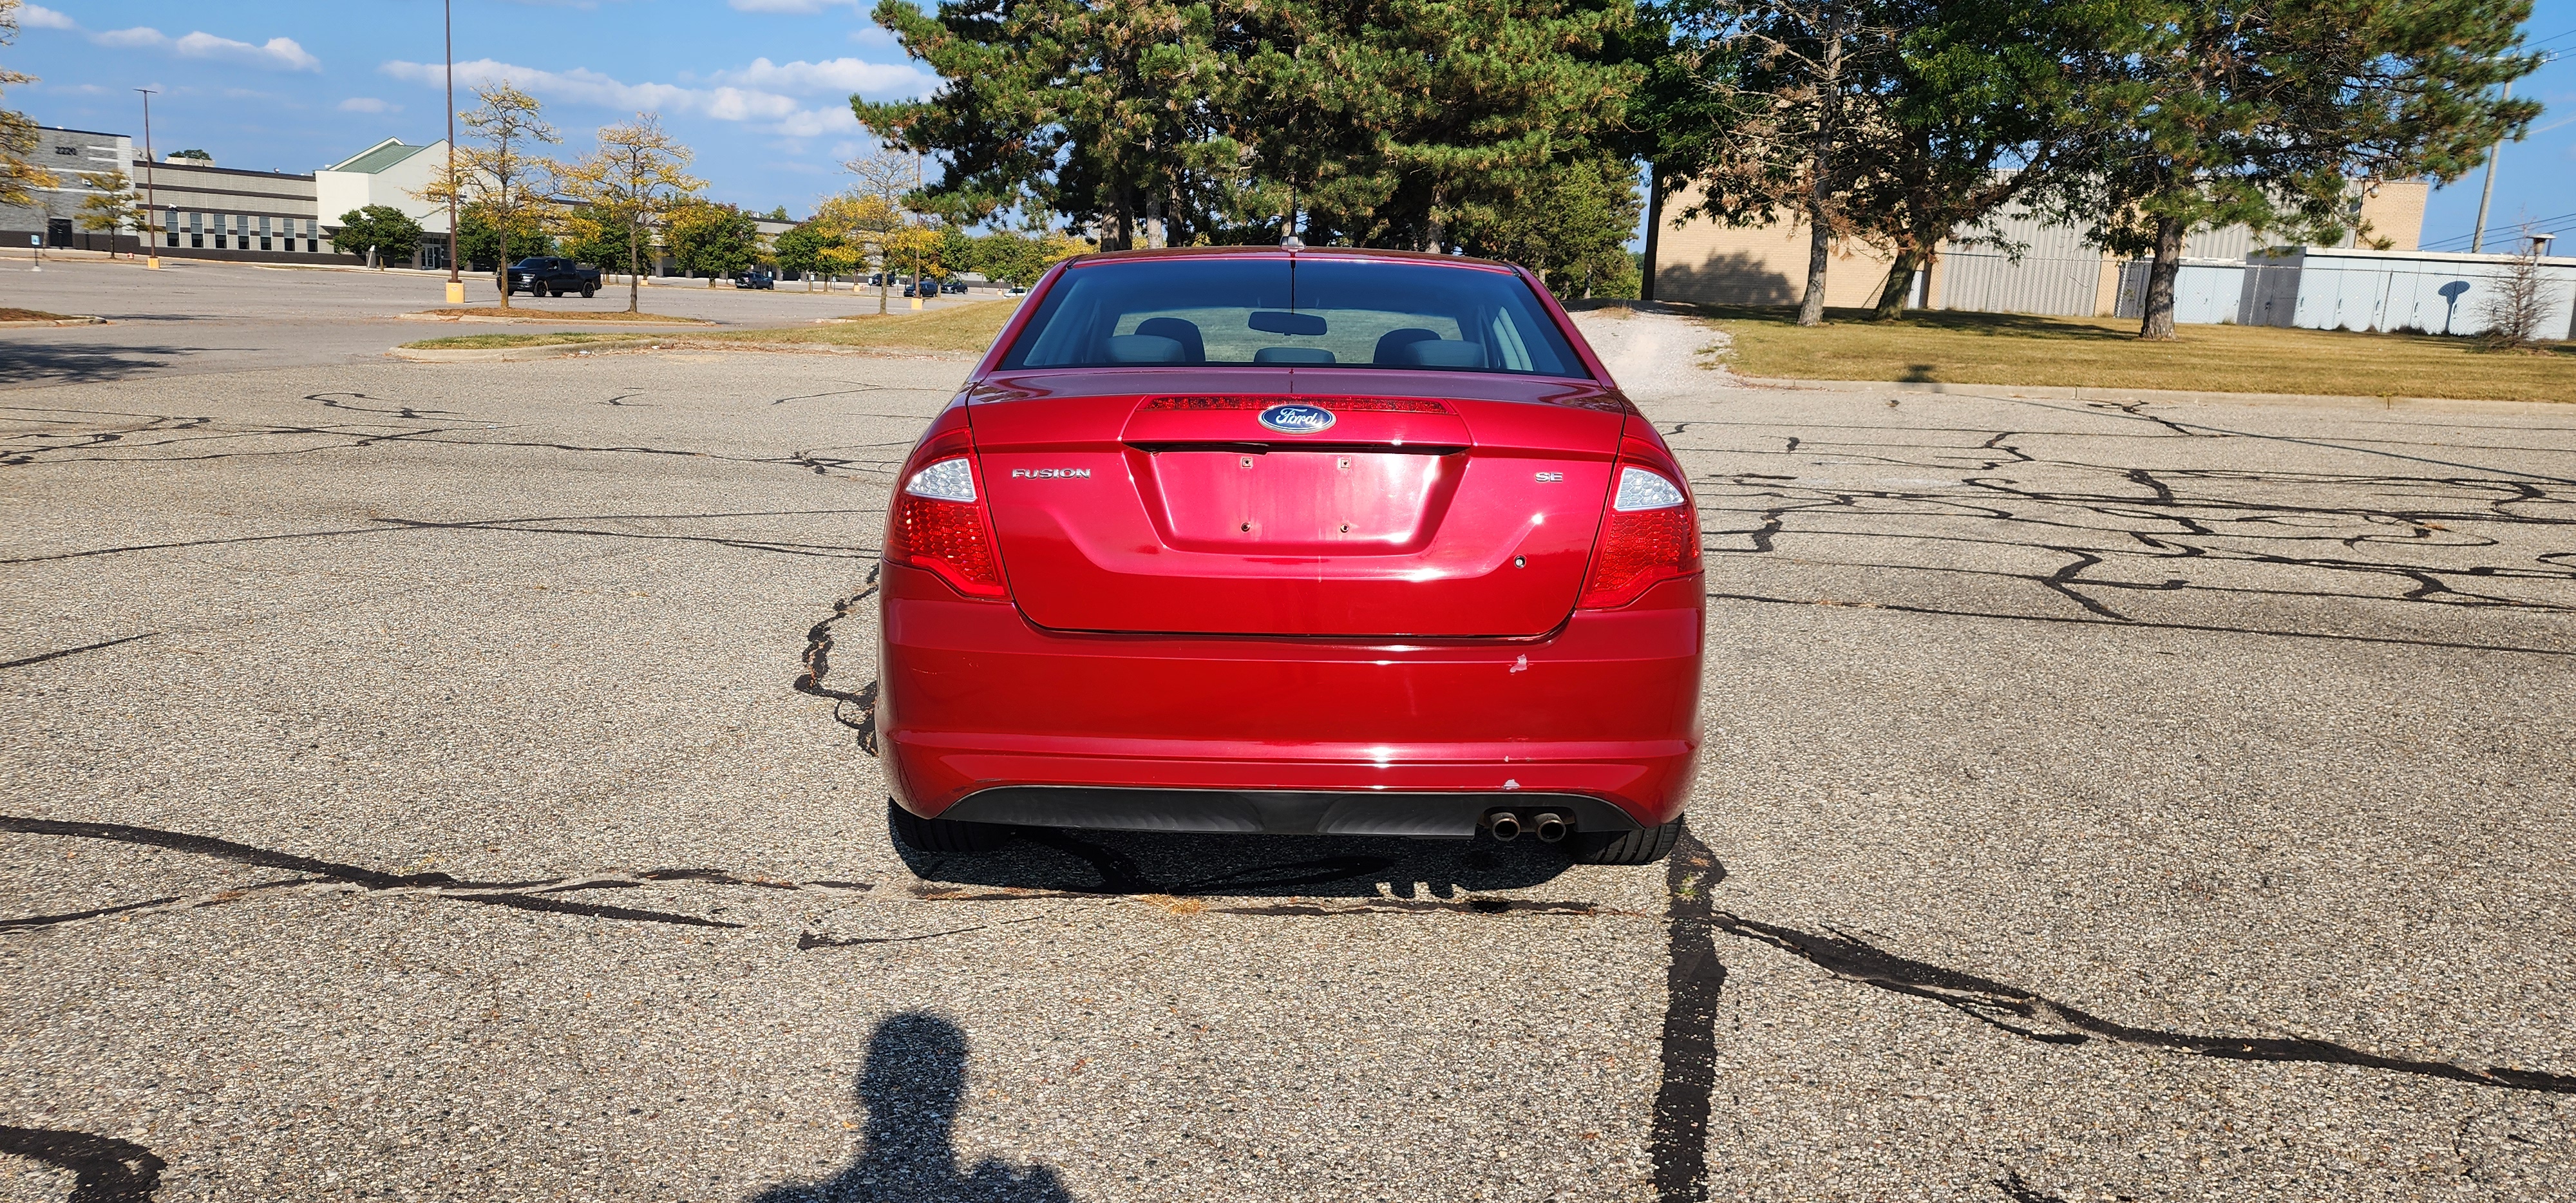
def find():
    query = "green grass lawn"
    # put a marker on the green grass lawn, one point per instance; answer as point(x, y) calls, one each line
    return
point(2004, 348)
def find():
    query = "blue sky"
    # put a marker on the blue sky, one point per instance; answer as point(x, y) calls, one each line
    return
point(757, 87)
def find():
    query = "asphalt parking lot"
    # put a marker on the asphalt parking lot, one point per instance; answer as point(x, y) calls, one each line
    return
point(197, 316)
point(451, 781)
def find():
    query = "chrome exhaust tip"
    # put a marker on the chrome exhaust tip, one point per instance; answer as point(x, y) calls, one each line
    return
point(1550, 827)
point(1504, 824)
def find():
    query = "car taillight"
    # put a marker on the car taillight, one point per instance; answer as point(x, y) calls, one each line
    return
point(937, 523)
point(1650, 535)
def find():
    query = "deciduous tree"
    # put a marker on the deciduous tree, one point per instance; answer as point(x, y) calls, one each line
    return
point(629, 183)
point(501, 174)
point(379, 232)
point(717, 239)
point(20, 177)
point(112, 205)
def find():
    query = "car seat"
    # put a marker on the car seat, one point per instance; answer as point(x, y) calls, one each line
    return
point(1186, 333)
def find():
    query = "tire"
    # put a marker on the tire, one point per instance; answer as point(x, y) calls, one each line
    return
point(1641, 847)
point(943, 835)
point(588, 289)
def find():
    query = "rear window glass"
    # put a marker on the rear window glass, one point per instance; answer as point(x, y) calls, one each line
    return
point(1292, 312)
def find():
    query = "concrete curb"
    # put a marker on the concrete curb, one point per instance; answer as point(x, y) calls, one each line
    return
point(2060, 392)
point(643, 342)
point(47, 321)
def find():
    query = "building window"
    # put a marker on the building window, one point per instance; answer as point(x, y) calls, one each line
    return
point(312, 243)
point(263, 235)
point(170, 227)
point(196, 229)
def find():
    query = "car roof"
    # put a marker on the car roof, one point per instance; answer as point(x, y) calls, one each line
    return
point(1279, 252)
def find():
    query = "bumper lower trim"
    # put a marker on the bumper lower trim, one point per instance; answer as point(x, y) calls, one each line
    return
point(1271, 812)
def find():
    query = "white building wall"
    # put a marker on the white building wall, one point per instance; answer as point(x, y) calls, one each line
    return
point(2397, 290)
point(398, 186)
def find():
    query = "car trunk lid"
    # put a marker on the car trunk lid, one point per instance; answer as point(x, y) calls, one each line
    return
point(1429, 506)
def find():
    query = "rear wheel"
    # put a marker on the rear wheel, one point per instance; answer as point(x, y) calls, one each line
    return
point(588, 289)
point(1641, 847)
point(943, 835)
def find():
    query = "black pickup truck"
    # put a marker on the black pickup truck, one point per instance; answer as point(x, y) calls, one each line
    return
point(544, 276)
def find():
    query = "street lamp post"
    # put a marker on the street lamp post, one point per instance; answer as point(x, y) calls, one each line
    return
point(2478, 236)
point(151, 205)
point(455, 283)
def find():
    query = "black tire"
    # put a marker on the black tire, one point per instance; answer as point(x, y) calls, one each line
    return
point(1641, 847)
point(588, 289)
point(944, 835)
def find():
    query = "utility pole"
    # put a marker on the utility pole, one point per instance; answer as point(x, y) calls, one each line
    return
point(455, 283)
point(151, 209)
point(2478, 236)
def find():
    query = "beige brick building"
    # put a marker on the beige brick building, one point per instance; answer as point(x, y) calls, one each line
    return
point(2058, 271)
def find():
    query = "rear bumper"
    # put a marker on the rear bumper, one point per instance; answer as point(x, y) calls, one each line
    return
point(973, 700)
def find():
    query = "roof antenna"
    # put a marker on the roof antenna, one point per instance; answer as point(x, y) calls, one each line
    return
point(1288, 238)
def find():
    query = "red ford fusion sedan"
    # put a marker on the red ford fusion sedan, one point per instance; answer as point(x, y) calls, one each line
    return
point(1293, 542)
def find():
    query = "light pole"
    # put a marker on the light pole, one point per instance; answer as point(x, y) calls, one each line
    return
point(151, 208)
point(2478, 236)
point(455, 283)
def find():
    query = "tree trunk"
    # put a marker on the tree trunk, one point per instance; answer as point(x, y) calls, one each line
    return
point(1820, 185)
point(634, 265)
point(2158, 323)
point(1900, 282)
point(1820, 245)
point(1654, 226)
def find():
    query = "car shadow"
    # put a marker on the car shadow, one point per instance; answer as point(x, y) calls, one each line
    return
point(911, 1086)
point(1255, 866)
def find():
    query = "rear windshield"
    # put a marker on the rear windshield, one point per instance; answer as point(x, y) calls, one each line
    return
point(1292, 312)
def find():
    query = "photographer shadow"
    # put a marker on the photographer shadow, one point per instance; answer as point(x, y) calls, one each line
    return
point(911, 1086)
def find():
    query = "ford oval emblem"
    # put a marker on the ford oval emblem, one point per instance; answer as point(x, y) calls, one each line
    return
point(1297, 419)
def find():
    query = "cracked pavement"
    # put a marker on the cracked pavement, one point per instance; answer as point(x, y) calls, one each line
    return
point(453, 781)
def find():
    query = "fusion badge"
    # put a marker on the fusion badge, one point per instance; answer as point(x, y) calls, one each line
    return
point(1297, 419)
point(1050, 473)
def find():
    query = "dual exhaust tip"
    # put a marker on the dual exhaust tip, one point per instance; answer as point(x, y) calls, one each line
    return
point(1547, 825)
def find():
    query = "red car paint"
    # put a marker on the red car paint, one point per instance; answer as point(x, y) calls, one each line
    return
point(1151, 591)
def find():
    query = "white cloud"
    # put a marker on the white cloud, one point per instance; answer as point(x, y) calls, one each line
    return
point(37, 16)
point(759, 93)
point(276, 54)
point(842, 75)
point(788, 6)
point(367, 104)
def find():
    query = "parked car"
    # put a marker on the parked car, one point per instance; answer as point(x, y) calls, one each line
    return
point(953, 287)
point(922, 288)
point(758, 277)
point(1450, 586)
point(544, 276)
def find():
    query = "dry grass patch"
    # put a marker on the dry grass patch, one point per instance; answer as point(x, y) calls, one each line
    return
point(10, 313)
point(516, 314)
point(2008, 349)
point(486, 342)
point(969, 327)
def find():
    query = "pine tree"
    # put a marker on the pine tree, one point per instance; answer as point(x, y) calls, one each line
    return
point(2213, 114)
